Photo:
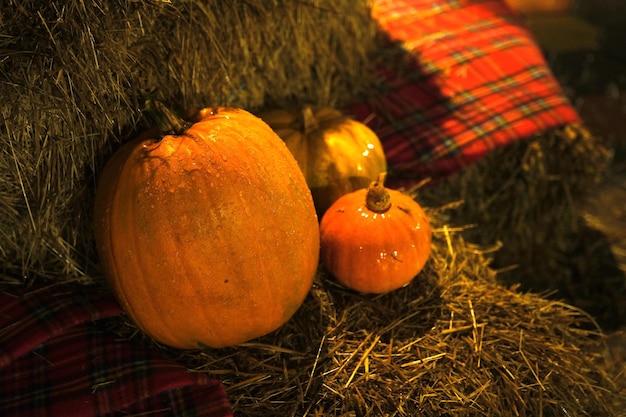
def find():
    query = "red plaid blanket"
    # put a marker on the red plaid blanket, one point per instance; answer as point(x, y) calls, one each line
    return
point(476, 81)
point(57, 358)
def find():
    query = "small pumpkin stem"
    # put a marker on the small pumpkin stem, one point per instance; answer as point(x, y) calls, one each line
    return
point(309, 122)
point(378, 198)
point(161, 117)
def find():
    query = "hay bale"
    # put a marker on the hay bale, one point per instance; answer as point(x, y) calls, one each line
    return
point(73, 77)
point(529, 197)
point(455, 342)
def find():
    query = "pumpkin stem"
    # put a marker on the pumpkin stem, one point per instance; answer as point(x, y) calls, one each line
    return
point(309, 122)
point(160, 116)
point(378, 198)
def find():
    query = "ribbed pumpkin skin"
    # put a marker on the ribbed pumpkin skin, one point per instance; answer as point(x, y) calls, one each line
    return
point(374, 252)
point(337, 154)
point(209, 238)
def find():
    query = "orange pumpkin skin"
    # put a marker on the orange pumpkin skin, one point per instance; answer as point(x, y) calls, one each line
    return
point(337, 154)
point(375, 252)
point(208, 238)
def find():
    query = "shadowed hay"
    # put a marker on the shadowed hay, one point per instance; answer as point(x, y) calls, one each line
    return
point(529, 197)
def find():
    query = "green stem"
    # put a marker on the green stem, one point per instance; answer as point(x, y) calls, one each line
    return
point(378, 198)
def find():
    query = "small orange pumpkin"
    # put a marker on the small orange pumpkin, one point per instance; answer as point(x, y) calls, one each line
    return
point(337, 154)
point(208, 236)
point(375, 240)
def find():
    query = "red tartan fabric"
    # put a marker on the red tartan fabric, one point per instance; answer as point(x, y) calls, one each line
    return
point(57, 358)
point(476, 82)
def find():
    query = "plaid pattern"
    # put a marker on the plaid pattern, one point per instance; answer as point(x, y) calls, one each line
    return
point(57, 358)
point(476, 81)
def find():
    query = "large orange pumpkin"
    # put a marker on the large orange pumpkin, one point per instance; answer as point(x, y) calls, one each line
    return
point(337, 154)
point(375, 240)
point(209, 237)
